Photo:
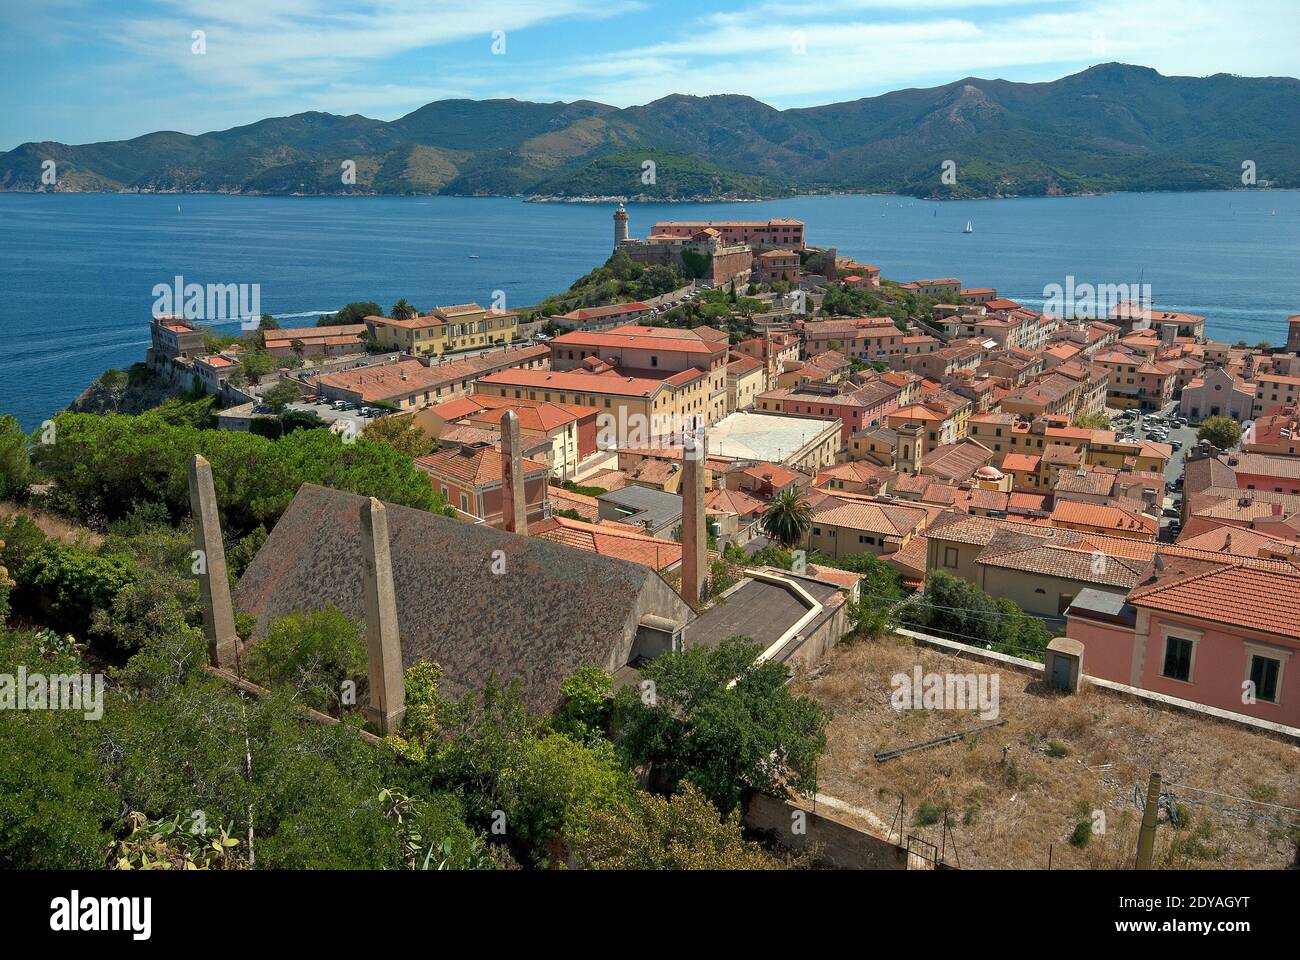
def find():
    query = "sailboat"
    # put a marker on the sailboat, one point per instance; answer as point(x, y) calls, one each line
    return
point(970, 227)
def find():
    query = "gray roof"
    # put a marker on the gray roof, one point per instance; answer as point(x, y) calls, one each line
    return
point(655, 505)
point(1099, 604)
point(553, 610)
point(761, 611)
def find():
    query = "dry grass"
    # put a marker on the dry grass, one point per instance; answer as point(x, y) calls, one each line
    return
point(1012, 791)
point(58, 528)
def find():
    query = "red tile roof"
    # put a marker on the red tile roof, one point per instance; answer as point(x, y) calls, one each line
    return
point(1105, 517)
point(477, 465)
point(610, 541)
point(1255, 595)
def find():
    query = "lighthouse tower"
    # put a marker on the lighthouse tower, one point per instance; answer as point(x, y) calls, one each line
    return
point(620, 226)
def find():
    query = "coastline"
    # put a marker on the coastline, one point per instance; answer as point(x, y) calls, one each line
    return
point(641, 198)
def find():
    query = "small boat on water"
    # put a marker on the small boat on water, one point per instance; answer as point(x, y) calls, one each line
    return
point(970, 227)
point(473, 256)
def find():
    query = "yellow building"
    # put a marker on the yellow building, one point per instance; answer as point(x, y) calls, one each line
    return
point(462, 326)
point(632, 411)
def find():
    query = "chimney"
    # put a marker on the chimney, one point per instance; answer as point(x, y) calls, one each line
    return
point(387, 706)
point(214, 584)
point(694, 535)
point(514, 510)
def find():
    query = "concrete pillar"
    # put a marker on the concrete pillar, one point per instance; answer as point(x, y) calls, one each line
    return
point(514, 507)
point(1147, 831)
point(695, 536)
point(214, 582)
point(387, 706)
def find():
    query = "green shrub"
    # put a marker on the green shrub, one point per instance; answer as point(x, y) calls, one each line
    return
point(1082, 834)
point(927, 814)
point(69, 583)
point(311, 655)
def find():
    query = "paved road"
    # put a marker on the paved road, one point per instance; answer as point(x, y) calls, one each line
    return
point(329, 414)
point(1176, 463)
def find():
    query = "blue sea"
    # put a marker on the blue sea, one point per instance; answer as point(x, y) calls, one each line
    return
point(77, 271)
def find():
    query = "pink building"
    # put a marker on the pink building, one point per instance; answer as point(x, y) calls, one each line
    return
point(861, 338)
point(1210, 628)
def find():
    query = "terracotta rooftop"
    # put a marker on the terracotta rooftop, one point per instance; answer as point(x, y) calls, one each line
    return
point(610, 541)
point(957, 461)
point(1104, 516)
point(1249, 594)
point(477, 464)
point(609, 310)
point(892, 520)
point(576, 382)
point(641, 338)
point(561, 499)
point(733, 501)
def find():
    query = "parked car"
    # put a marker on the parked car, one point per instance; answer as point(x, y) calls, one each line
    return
point(1176, 444)
point(1171, 512)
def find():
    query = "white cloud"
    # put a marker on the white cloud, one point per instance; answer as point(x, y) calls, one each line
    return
point(848, 56)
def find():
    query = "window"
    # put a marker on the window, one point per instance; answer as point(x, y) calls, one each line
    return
point(1178, 659)
point(950, 557)
point(1264, 672)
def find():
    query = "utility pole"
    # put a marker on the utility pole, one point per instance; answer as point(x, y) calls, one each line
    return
point(1150, 815)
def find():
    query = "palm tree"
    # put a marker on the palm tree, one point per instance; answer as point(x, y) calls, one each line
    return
point(788, 518)
point(403, 310)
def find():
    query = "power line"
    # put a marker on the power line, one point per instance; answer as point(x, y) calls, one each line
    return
point(1229, 796)
point(1230, 811)
point(984, 641)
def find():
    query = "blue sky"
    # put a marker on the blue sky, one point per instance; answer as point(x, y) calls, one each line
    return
point(79, 70)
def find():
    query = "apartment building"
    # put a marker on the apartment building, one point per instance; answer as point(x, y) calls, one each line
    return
point(844, 524)
point(603, 318)
point(648, 353)
point(943, 417)
point(462, 326)
point(856, 408)
point(746, 379)
point(1214, 629)
point(470, 479)
point(411, 384)
point(860, 338)
point(1273, 390)
point(316, 341)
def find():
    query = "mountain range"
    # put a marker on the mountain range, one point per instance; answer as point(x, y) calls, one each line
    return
point(1112, 127)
